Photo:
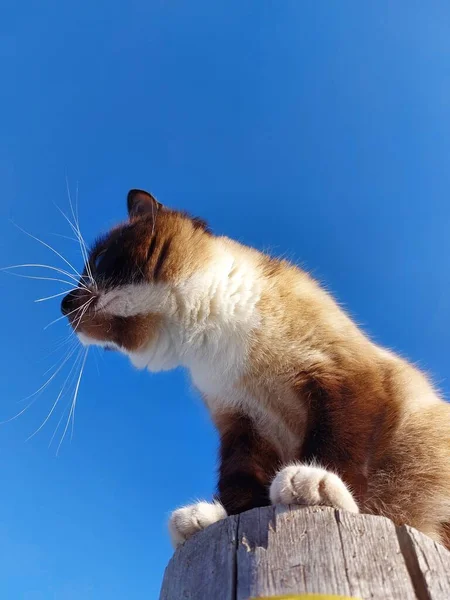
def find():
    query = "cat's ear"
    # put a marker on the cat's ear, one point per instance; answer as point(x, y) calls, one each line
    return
point(141, 203)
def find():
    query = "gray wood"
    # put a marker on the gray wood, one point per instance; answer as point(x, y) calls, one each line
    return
point(204, 567)
point(289, 550)
point(429, 564)
point(375, 565)
point(297, 551)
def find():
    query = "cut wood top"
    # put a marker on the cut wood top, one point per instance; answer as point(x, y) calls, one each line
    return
point(287, 552)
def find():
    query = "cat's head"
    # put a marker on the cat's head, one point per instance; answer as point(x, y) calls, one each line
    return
point(133, 273)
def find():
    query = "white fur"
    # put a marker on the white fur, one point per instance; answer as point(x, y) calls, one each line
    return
point(207, 319)
point(186, 521)
point(311, 485)
point(138, 299)
point(90, 341)
point(207, 325)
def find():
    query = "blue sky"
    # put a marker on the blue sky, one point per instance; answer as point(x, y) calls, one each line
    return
point(315, 130)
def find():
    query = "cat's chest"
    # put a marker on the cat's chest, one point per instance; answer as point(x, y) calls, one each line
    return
point(276, 413)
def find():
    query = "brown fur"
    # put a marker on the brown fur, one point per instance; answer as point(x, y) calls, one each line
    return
point(165, 248)
point(394, 454)
point(352, 407)
point(248, 463)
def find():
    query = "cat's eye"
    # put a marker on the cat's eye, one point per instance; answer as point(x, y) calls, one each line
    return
point(97, 259)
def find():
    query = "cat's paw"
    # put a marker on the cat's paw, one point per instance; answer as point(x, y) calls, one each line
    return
point(186, 521)
point(309, 485)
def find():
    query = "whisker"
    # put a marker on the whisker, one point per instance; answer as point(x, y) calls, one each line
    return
point(76, 228)
point(70, 313)
point(40, 266)
point(69, 283)
point(49, 247)
point(79, 319)
point(35, 394)
point(71, 347)
point(72, 226)
point(57, 348)
point(62, 317)
point(83, 249)
point(69, 354)
point(76, 216)
point(75, 363)
point(73, 332)
point(77, 224)
point(55, 295)
point(65, 237)
point(96, 355)
point(59, 423)
point(74, 401)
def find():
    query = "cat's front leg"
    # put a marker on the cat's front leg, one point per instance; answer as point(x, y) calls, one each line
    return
point(248, 463)
point(311, 485)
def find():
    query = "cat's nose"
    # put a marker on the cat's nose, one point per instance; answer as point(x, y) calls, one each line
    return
point(68, 303)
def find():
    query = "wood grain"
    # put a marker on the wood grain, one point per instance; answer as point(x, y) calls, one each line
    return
point(276, 551)
point(204, 567)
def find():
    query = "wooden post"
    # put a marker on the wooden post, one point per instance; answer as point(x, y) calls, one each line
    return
point(284, 551)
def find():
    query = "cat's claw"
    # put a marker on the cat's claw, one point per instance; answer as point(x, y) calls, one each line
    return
point(310, 485)
point(186, 521)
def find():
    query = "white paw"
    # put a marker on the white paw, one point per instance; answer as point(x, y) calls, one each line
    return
point(188, 520)
point(303, 484)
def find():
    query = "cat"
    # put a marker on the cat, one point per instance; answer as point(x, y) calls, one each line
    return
point(308, 409)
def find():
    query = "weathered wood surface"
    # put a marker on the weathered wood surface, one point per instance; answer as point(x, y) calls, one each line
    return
point(294, 550)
